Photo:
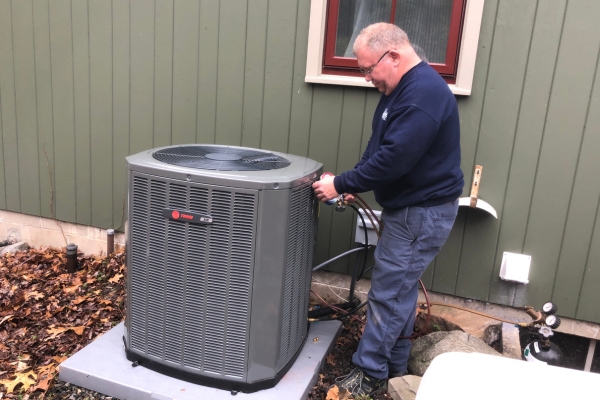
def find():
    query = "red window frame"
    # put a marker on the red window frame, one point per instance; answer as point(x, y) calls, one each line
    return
point(335, 65)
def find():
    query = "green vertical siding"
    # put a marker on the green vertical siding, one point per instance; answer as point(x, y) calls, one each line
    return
point(82, 111)
point(43, 85)
point(163, 73)
point(10, 149)
point(230, 67)
point(26, 107)
point(541, 63)
point(85, 83)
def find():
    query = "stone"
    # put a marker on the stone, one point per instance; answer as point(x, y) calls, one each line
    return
point(436, 324)
point(13, 248)
point(426, 348)
point(469, 322)
point(492, 336)
point(404, 387)
point(511, 345)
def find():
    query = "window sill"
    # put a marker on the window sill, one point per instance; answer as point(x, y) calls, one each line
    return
point(357, 81)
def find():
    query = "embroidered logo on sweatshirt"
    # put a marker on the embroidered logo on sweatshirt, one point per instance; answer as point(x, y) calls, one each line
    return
point(384, 115)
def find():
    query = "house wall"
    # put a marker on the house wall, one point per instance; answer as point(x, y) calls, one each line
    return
point(85, 83)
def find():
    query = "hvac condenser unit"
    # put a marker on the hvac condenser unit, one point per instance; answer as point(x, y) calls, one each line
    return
point(220, 248)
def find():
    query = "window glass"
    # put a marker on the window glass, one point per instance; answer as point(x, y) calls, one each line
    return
point(353, 16)
point(427, 23)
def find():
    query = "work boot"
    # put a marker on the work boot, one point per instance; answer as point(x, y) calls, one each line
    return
point(358, 383)
point(396, 374)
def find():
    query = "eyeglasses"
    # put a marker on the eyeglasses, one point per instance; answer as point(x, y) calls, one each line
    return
point(370, 70)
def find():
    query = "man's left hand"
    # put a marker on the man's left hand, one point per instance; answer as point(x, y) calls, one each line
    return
point(324, 189)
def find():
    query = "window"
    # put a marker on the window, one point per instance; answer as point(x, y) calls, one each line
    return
point(443, 32)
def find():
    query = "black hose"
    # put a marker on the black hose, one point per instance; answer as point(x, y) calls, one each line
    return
point(361, 305)
point(344, 254)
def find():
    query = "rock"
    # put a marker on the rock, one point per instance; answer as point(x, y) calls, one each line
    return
point(511, 346)
point(426, 348)
point(436, 324)
point(494, 333)
point(469, 322)
point(13, 248)
point(492, 336)
point(404, 388)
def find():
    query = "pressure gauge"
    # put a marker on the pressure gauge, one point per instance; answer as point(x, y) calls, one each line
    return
point(549, 308)
point(552, 321)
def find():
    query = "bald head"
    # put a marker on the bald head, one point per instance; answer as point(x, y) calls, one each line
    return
point(381, 37)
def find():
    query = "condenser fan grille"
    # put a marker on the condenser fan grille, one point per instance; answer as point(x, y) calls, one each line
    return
point(220, 158)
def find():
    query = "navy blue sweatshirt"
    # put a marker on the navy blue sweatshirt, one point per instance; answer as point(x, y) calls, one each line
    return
point(413, 155)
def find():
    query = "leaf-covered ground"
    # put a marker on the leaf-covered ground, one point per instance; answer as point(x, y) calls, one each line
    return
point(47, 314)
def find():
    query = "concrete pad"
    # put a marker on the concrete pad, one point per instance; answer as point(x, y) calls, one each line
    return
point(102, 366)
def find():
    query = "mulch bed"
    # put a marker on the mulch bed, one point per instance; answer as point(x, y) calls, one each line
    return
point(47, 314)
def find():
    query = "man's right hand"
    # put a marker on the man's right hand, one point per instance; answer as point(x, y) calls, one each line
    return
point(349, 198)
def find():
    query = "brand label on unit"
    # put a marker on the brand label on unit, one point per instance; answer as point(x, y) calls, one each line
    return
point(187, 216)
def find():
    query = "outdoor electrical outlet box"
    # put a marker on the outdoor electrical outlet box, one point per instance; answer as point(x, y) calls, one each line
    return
point(515, 267)
point(359, 236)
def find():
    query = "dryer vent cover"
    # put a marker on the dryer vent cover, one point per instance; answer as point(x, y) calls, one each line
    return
point(221, 158)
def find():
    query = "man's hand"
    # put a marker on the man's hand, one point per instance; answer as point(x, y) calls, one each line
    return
point(349, 198)
point(324, 189)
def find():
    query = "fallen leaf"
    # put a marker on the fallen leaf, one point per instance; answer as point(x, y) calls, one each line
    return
point(35, 295)
point(59, 359)
point(70, 289)
point(46, 374)
point(20, 332)
point(79, 300)
point(115, 278)
point(46, 370)
point(333, 394)
point(330, 359)
point(21, 366)
point(23, 378)
point(6, 318)
point(44, 384)
point(54, 332)
point(78, 329)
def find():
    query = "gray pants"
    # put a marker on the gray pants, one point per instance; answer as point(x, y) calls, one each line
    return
point(410, 240)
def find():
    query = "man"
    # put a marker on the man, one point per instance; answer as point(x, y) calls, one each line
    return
point(412, 163)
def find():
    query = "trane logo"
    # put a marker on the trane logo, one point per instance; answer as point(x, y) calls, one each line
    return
point(176, 215)
point(187, 216)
